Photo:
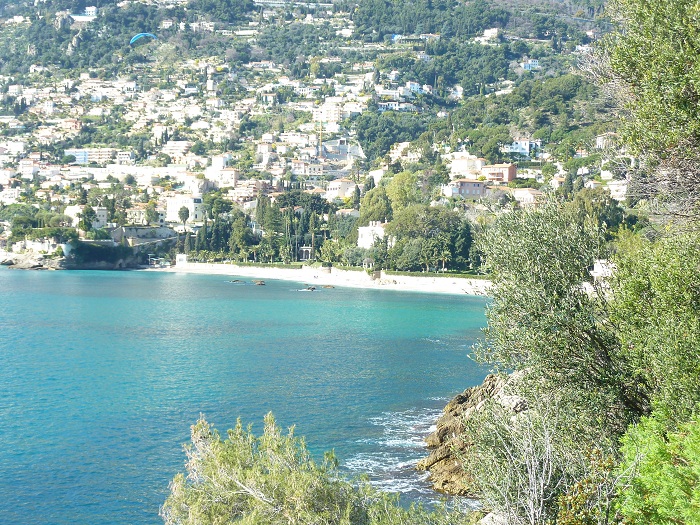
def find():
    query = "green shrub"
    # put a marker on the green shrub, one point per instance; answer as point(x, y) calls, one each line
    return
point(273, 480)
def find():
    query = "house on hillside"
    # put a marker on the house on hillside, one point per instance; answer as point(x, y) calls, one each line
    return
point(367, 235)
point(175, 202)
point(522, 146)
point(464, 188)
point(340, 189)
point(528, 197)
point(499, 173)
point(75, 212)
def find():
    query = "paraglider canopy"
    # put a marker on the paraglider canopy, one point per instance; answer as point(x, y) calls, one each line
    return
point(141, 35)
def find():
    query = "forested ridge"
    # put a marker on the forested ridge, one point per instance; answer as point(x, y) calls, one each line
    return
point(52, 40)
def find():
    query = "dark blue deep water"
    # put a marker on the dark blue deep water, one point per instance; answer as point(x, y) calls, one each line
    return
point(102, 374)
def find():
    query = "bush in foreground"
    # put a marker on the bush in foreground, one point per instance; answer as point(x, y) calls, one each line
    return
point(271, 480)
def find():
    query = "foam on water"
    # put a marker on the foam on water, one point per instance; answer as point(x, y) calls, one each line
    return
point(389, 457)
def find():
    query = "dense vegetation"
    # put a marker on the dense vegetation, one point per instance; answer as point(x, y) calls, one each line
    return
point(608, 369)
point(650, 66)
point(52, 39)
point(291, 44)
point(271, 479)
point(377, 132)
point(376, 18)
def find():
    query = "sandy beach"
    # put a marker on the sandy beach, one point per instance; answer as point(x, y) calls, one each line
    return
point(315, 276)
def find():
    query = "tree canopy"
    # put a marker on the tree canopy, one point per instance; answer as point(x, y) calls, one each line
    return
point(651, 64)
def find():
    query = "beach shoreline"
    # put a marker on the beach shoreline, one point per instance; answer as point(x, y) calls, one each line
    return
point(322, 276)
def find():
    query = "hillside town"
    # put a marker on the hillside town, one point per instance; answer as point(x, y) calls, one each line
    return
point(345, 213)
point(130, 157)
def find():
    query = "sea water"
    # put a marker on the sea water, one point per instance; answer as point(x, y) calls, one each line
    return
point(102, 374)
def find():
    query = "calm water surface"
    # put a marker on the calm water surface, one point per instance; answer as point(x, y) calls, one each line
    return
point(102, 373)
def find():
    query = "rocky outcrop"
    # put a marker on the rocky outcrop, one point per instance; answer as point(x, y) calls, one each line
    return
point(121, 264)
point(35, 261)
point(448, 440)
point(32, 261)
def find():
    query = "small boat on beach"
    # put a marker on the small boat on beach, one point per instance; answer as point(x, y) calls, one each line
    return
point(259, 283)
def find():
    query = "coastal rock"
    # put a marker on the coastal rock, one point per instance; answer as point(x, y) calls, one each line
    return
point(36, 261)
point(32, 261)
point(493, 519)
point(447, 441)
point(121, 264)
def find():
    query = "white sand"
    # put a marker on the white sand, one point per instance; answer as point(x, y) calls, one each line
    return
point(314, 276)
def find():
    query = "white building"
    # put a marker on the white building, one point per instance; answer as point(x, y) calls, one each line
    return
point(618, 189)
point(606, 140)
point(10, 195)
point(224, 177)
point(522, 146)
point(464, 165)
point(327, 112)
point(378, 174)
point(456, 93)
point(556, 182)
point(14, 147)
point(125, 157)
point(177, 149)
point(75, 212)
point(27, 168)
point(402, 151)
point(367, 235)
point(306, 168)
point(488, 36)
point(5, 176)
point(532, 64)
point(527, 197)
point(340, 189)
point(246, 190)
point(297, 139)
point(192, 203)
point(196, 185)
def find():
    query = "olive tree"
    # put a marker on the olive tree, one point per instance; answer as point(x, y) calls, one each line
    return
point(656, 308)
point(549, 319)
point(548, 316)
point(519, 461)
point(650, 64)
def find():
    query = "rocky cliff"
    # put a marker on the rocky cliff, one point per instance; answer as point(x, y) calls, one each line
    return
point(32, 261)
point(448, 440)
point(35, 261)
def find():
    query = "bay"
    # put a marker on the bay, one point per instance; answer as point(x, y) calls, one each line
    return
point(102, 374)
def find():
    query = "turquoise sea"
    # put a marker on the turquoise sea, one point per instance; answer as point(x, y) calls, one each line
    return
point(102, 374)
